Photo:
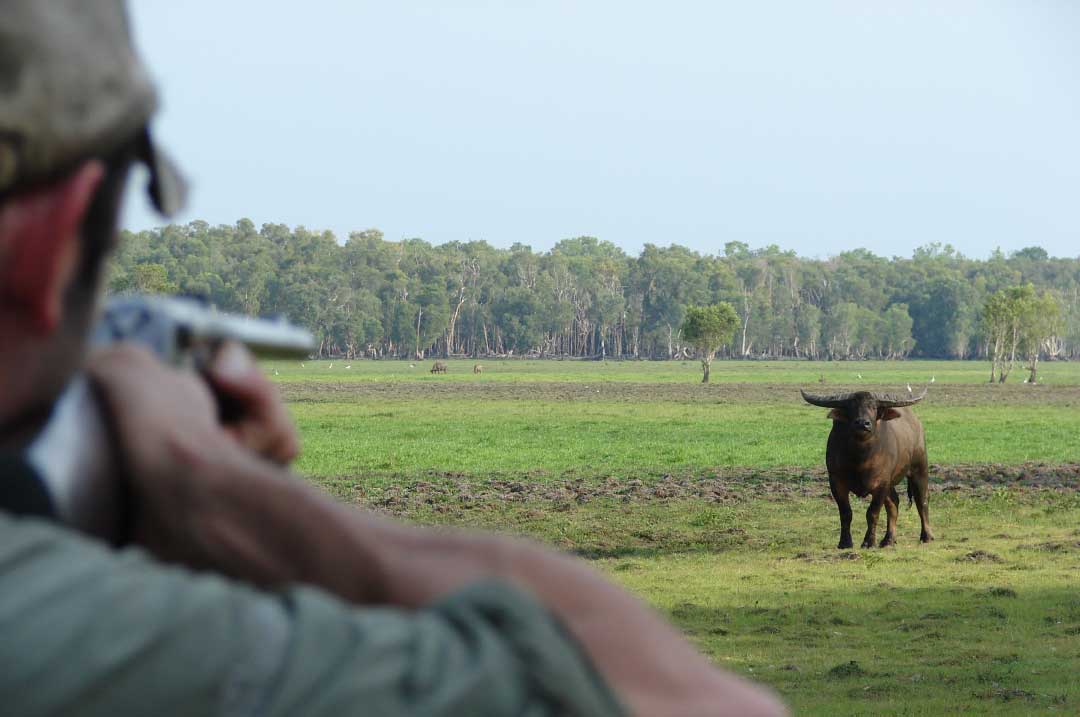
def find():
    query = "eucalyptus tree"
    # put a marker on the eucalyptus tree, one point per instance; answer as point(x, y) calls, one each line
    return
point(1018, 321)
point(707, 328)
point(1040, 323)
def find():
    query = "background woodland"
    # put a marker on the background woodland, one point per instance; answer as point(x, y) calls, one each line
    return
point(370, 297)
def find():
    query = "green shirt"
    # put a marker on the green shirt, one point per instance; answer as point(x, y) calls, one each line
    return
point(90, 631)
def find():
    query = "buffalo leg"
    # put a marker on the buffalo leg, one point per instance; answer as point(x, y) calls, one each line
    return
point(918, 488)
point(876, 501)
point(843, 503)
point(892, 501)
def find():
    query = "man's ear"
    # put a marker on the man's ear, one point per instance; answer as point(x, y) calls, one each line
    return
point(40, 245)
point(889, 414)
point(837, 415)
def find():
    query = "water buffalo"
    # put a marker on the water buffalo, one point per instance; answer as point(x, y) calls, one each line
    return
point(875, 442)
point(439, 367)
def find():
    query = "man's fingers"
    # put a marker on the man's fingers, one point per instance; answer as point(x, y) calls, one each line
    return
point(279, 447)
point(263, 426)
point(129, 375)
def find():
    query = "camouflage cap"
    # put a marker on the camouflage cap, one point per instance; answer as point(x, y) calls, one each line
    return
point(72, 88)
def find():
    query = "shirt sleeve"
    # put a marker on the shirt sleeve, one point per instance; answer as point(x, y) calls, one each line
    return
point(90, 631)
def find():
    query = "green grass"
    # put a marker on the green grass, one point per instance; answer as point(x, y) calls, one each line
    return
point(396, 438)
point(931, 631)
point(806, 373)
point(985, 620)
point(738, 546)
point(600, 418)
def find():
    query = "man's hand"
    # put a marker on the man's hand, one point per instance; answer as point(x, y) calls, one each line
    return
point(263, 425)
point(158, 414)
point(170, 444)
point(141, 382)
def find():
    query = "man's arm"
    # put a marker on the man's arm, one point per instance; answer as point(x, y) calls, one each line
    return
point(203, 502)
point(275, 529)
point(90, 631)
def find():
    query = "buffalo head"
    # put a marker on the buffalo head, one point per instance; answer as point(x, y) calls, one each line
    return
point(861, 411)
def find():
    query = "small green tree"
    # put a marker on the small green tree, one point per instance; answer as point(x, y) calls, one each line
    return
point(707, 328)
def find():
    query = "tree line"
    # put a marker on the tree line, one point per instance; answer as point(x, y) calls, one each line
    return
point(370, 297)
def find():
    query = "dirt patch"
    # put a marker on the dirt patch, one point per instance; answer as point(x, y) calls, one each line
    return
point(961, 476)
point(847, 669)
point(1051, 546)
point(980, 556)
point(619, 391)
point(442, 492)
point(1006, 694)
point(833, 556)
point(457, 490)
point(1002, 592)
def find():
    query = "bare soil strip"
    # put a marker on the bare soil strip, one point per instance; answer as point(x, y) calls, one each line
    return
point(617, 391)
point(724, 486)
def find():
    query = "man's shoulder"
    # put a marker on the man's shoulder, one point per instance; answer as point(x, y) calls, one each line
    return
point(115, 632)
point(28, 540)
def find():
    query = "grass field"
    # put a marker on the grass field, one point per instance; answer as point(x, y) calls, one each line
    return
point(807, 373)
point(711, 503)
point(985, 620)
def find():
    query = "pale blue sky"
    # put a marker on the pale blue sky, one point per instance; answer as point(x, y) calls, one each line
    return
point(818, 126)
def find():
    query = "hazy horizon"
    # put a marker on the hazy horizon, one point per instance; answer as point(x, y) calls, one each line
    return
point(820, 129)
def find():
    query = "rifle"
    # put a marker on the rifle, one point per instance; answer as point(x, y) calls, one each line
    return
point(73, 453)
point(186, 332)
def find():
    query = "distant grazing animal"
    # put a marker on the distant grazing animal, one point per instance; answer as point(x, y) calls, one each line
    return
point(439, 367)
point(875, 442)
point(477, 369)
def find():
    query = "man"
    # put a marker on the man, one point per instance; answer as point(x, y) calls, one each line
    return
point(233, 588)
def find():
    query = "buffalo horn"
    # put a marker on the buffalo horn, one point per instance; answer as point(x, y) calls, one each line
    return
point(886, 400)
point(837, 400)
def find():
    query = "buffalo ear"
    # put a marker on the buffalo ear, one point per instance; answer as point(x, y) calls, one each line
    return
point(837, 415)
point(889, 414)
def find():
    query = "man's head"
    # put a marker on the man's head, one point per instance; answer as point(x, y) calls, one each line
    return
point(74, 108)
